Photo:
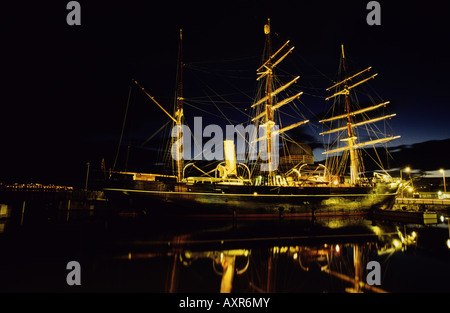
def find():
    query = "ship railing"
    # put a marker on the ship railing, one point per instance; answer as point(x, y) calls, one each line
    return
point(212, 180)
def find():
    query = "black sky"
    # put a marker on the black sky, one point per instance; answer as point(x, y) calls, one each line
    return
point(64, 88)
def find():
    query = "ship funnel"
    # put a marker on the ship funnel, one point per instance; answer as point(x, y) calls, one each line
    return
point(230, 158)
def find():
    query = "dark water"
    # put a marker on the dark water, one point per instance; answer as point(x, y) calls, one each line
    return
point(129, 250)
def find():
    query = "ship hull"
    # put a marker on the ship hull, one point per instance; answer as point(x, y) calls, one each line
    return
point(247, 201)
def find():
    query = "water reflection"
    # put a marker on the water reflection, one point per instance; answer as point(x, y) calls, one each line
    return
point(298, 257)
point(272, 257)
point(132, 251)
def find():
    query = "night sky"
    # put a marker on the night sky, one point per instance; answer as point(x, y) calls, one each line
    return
point(64, 88)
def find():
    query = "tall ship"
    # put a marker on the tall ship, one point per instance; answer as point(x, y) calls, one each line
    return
point(254, 178)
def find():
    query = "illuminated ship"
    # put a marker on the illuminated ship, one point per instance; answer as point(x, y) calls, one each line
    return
point(246, 189)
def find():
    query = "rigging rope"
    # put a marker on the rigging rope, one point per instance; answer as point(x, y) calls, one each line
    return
point(155, 133)
point(123, 126)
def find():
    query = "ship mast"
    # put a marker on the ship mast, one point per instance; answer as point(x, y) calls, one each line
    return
point(179, 108)
point(269, 112)
point(177, 118)
point(354, 162)
point(352, 146)
point(266, 71)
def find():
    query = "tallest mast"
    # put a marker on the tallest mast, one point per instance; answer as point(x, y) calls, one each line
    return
point(269, 104)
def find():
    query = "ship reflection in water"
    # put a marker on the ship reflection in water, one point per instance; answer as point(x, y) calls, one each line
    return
point(329, 255)
point(130, 251)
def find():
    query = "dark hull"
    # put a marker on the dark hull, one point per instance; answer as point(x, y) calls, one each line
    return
point(216, 199)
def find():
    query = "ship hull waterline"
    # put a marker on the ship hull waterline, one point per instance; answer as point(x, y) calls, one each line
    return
point(252, 201)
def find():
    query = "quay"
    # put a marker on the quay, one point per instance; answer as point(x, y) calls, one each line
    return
point(48, 192)
point(416, 210)
point(424, 201)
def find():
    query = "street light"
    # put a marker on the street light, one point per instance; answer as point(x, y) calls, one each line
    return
point(407, 170)
point(443, 177)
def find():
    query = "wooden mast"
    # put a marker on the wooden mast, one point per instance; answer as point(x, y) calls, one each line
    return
point(179, 108)
point(352, 146)
point(268, 100)
point(354, 162)
point(268, 109)
point(177, 118)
